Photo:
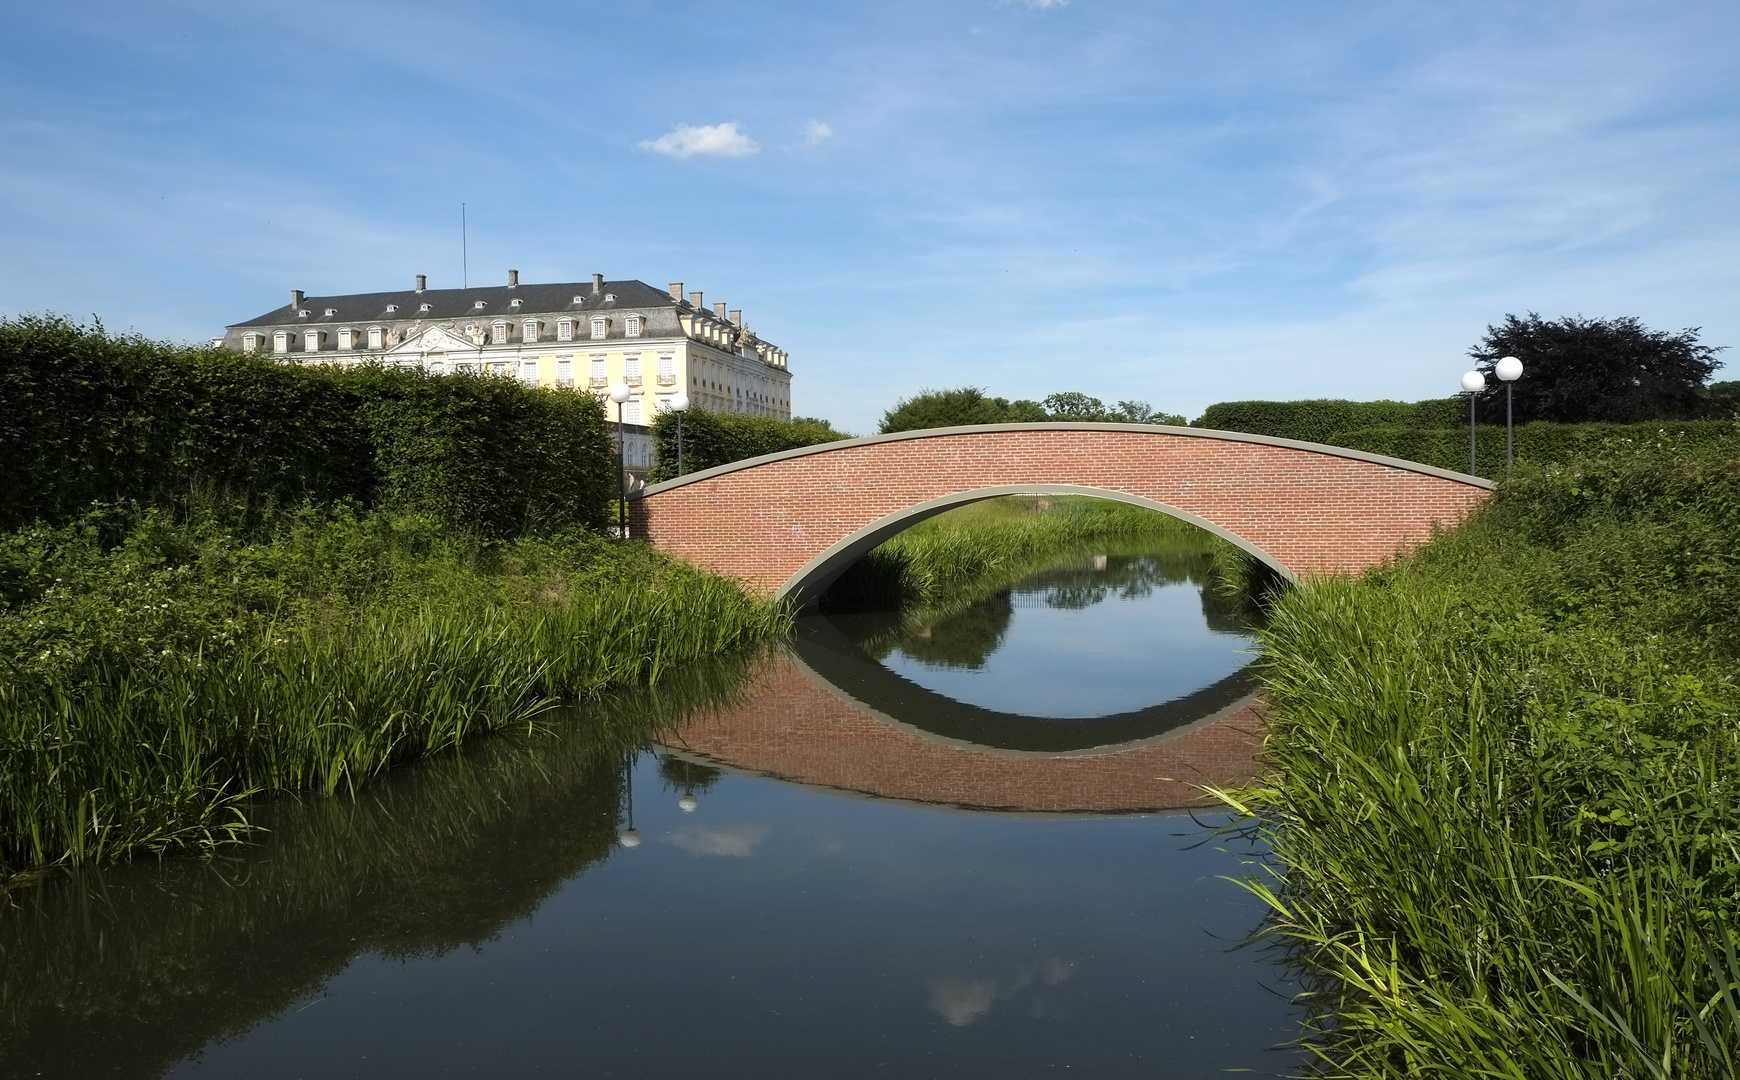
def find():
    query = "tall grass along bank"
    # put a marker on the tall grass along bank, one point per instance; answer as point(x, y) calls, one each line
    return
point(160, 666)
point(1503, 813)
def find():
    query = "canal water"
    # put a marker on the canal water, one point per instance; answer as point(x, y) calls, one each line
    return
point(960, 842)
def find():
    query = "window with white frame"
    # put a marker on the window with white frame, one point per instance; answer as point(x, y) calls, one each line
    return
point(564, 371)
point(377, 336)
point(250, 343)
point(347, 338)
point(600, 327)
point(311, 341)
point(500, 333)
point(600, 376)
point(667, 368)
point(631, 326)
point(437, 367)
point(663, 403)
point(564, 329)
point(529, 372)
point(631, 368)
point(631, 411)
point(500, 367)
point(529, 331)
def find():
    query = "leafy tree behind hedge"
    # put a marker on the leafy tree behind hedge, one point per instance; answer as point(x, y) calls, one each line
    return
point(714, 438)
point(90, 417)
point(1616, 370)
point(969, 405)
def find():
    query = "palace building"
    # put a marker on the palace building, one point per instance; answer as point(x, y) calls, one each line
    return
point(587, 335)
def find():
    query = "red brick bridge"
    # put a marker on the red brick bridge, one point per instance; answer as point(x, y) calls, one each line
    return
point(788, 524)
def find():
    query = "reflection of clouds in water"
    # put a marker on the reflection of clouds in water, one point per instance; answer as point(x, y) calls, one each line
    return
point(962, 1001)
point(831, 846)
point(739, 840)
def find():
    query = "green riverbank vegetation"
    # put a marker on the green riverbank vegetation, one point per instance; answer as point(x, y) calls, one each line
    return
point(972, 550)
point(225, 577)
point(1503, 814)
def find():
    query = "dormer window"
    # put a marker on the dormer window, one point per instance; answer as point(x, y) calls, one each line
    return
point(529, 332)
point(392, 308)
point(250, 342)
point(376, 336)
point(631, 326)
point(311, 341)
point(579, 299)
point(281, 341)
point(331, 311)
point(303, 314)
point(424, 308)
point(564, 329)
point(347, 338)
point(480, 304)
point(515, 302)
point(600, 327)
point(501, 333)
point(610, 298)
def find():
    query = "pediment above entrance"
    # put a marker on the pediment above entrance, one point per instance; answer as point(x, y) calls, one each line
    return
point(436, 339)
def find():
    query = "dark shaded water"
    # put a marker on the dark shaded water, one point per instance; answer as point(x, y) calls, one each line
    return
point(480, 916)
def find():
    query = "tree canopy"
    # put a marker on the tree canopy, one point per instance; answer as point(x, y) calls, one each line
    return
point(1577, 370)
point(970, 405)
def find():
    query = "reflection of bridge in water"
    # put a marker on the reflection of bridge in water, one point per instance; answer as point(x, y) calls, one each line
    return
point(794, 726)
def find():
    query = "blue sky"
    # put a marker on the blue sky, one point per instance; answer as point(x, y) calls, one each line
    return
point(1182, 203)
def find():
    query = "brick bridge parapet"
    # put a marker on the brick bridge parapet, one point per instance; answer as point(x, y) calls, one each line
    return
point(787, 524)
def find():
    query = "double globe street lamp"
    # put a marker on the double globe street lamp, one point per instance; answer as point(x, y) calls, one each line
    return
point(1508, 369)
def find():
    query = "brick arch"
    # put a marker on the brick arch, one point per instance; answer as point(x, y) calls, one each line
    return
point(786, 523)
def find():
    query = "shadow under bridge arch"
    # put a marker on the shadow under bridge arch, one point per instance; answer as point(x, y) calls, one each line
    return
point(815, 576)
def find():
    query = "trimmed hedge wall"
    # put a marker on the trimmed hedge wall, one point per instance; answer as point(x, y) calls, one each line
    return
point(1540, 443)
point(1316, 421)
point(712, 438)
point(87, 417)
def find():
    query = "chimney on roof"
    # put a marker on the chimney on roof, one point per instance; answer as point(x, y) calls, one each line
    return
point(422, 282)
point(695, 301)
point(295, 298)
point(737, 318)
point(513, 279)
point(677, 291)
point(597, 284)
point(719, 311)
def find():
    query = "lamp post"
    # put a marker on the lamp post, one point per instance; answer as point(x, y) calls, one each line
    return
point(679, 405)
point(1472, 384)
point(1508, 369)
point(619, 394)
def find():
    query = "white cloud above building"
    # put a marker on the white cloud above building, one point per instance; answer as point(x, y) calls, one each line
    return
point(708, 140)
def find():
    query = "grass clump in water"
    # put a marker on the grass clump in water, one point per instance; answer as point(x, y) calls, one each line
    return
point(158, 667)
point(1502, 811)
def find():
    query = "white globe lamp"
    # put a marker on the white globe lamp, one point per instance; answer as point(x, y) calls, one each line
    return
point(1508, 369)
point(1473, 382)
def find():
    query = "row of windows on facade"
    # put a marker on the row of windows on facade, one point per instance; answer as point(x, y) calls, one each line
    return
point(500, 333)
point(632, 409)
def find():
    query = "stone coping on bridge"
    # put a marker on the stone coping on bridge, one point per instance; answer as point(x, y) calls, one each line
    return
point(1058, 425)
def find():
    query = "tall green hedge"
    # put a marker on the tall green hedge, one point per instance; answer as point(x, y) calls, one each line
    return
point(712, 438)
point(90, 417)
point(1315, 421)
point(1542, 442)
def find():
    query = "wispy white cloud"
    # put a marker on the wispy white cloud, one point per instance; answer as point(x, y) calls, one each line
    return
point(708, 140)
point(739, 840)
point(816, 133)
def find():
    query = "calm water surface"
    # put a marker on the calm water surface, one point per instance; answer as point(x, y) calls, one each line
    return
point(807, 896)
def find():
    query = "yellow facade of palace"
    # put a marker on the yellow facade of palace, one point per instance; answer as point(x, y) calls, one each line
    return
point(586, 336)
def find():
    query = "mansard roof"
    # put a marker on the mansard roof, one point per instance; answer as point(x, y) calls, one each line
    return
point(572, 298)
